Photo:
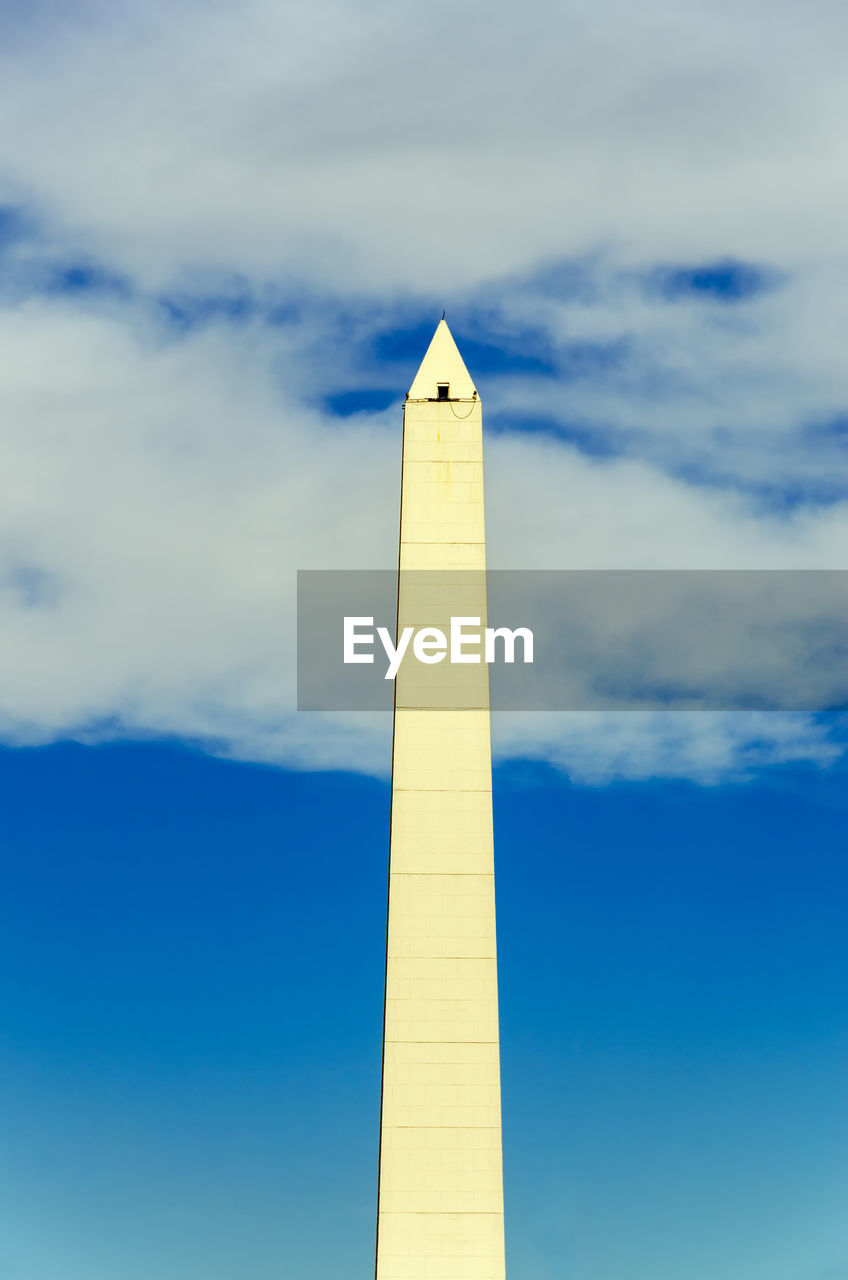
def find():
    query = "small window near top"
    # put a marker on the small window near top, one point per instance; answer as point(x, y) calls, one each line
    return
point(443, 388)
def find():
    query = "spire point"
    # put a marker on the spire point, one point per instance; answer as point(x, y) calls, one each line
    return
point(442, 367)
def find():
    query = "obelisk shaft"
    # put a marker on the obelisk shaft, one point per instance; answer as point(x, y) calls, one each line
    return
point(440, 1213)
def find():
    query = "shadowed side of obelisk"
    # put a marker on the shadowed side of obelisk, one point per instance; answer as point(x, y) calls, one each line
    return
point(440, 1210)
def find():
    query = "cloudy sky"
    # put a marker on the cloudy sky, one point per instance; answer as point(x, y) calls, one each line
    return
point(227, 231)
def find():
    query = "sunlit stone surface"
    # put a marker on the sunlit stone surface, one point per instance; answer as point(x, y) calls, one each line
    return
point(440, 1213)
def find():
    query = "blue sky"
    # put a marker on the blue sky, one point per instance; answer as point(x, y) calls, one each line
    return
point(226, 235)
point(192, 959)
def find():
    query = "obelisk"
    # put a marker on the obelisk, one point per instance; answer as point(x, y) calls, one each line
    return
point(440, 1200)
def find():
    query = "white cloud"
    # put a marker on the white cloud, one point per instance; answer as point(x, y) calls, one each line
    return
point(160, 490)
point(395, 144)
point(159, 495)
point(734, 390)
point(597, 748)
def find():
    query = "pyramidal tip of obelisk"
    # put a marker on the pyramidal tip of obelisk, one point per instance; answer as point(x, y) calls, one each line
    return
point(442, 366)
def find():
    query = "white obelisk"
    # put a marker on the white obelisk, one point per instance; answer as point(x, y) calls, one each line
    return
point(440, 1207)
